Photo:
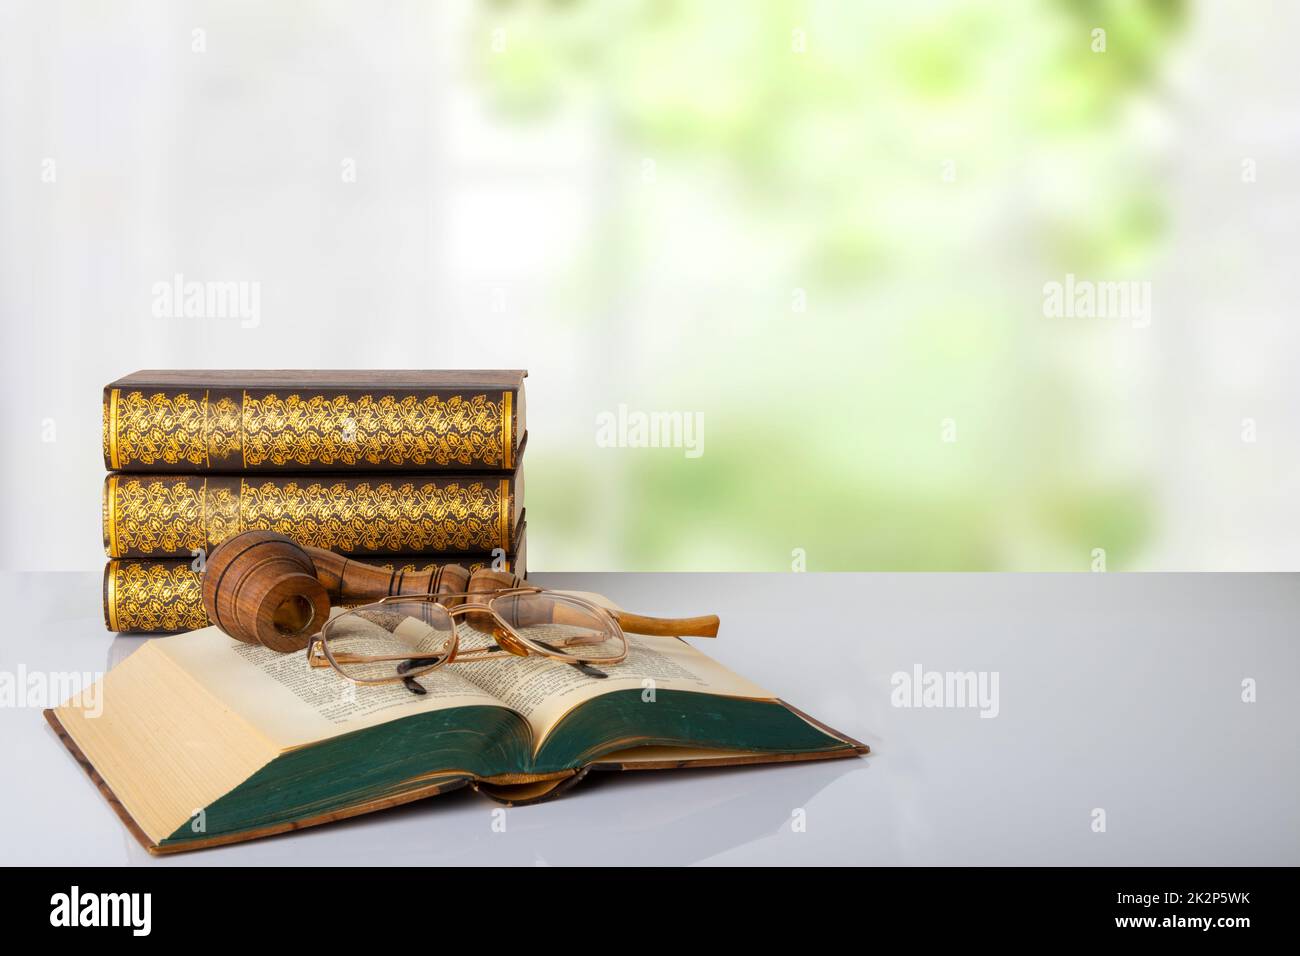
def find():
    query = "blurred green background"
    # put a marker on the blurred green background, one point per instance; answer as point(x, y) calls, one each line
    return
point(826, 227)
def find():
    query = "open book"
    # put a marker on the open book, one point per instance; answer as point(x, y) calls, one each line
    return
point(198, 740)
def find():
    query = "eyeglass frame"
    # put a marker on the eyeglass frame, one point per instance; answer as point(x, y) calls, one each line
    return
point(474, 654)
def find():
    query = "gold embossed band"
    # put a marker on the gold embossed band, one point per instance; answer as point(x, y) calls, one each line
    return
point(504, 497)
point(110, 594)
point(507, 431)
point(113, 394)
point(110, 516)
point(205, 430)
point(243, 428)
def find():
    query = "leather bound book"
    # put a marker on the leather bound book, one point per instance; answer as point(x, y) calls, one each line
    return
point(180, 516)
point(251, 743)
point(165, 595)
point(300, 420)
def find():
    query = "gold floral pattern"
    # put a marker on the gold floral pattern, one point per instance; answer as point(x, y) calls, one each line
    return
point(167, 595)
point(162, 428)
point(153, 516)
point(153, 596)
point(388, 430)
point(221, 517)
point(270, 431)
point(378, 517)
point(224, 436)
point(170, 515)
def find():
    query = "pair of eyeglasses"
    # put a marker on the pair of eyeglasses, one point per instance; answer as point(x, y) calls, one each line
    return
point(400, 638)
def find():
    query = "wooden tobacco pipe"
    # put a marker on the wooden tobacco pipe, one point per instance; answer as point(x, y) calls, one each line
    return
point(261, 587)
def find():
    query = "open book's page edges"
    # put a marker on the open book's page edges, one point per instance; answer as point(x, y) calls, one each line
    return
point(366, 765)
point(628, 718)
point(483, 742)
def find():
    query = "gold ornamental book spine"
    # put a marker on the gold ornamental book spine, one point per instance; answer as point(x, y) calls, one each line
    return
point(161, 516)
point(165, 596)
point(206, 429)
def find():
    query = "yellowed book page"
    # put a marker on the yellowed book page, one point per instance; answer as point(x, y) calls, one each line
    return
point(544, 691)
point(164, 748)
point(294, 704)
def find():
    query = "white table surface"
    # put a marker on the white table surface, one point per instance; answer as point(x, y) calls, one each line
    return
point(1118, 692)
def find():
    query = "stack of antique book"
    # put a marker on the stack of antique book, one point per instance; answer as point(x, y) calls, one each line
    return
point(404, 469)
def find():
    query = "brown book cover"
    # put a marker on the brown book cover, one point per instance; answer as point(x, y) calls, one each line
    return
point(289, 420)
point(180, 516)
point(165, 595)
